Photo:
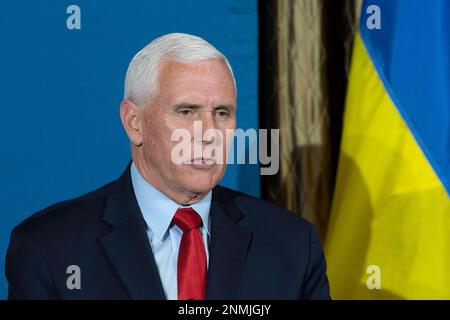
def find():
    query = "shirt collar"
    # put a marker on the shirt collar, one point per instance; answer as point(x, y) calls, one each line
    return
point(158, 209)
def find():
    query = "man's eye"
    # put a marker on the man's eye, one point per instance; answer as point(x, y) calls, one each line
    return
point(222, 114)
point(186, 112)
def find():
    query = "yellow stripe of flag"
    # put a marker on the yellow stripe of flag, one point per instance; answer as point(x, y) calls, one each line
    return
point(389, 209)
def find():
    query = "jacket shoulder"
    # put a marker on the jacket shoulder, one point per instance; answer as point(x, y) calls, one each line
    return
point(67, 210)
point(260, 212)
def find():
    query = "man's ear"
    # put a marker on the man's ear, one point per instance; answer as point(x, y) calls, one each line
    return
point(130, 114)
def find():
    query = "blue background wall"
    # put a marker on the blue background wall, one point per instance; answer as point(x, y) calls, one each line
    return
point(60, 92)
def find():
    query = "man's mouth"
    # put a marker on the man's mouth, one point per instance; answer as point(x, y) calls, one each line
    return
point(202, 163)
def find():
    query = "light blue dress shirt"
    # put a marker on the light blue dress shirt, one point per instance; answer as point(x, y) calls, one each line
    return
point(158, 211)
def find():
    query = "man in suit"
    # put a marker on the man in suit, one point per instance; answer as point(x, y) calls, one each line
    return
point(165, 229)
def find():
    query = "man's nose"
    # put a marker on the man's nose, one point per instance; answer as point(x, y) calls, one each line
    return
point(208, 128)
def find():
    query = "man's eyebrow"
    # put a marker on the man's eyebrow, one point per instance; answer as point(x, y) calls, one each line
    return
point(186, 105)
point(229, 107)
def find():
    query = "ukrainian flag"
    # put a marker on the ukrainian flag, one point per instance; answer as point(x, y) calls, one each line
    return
point(390, 220)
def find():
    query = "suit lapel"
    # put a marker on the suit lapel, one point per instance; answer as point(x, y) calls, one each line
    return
point(127, 245)
point(229, 246)
point(130, 253)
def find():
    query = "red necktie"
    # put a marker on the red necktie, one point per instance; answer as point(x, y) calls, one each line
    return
point(191, 256)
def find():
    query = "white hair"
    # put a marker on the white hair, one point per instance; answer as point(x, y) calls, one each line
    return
point(142, 73)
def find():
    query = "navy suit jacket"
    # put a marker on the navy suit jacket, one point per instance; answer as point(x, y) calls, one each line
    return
point(257, 250)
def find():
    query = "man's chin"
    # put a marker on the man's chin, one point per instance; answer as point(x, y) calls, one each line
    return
point(200, 188)
point(201, 185)
point(201, 180)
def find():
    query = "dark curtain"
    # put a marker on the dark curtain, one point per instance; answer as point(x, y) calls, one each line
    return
point(304, 49)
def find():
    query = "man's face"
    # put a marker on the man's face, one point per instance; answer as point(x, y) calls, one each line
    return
point(201, 92)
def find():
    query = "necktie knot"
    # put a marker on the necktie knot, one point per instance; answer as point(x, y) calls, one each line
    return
point(187, 219)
